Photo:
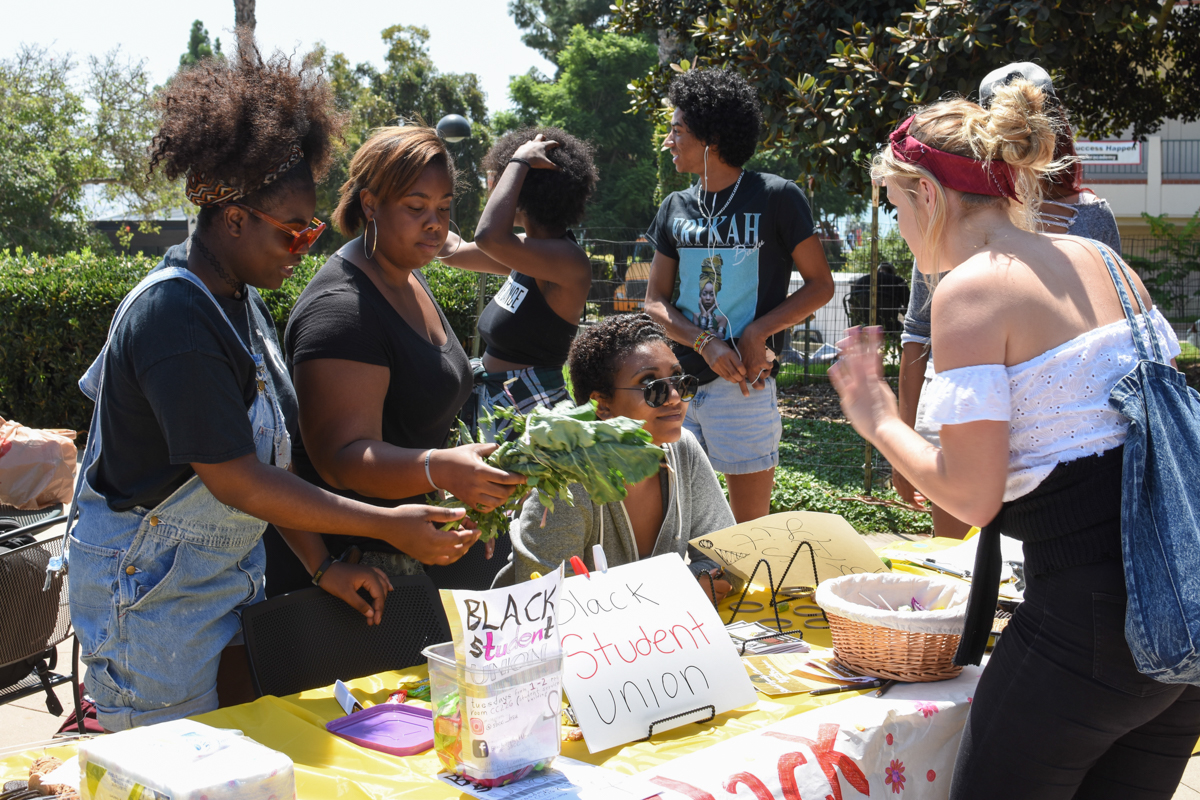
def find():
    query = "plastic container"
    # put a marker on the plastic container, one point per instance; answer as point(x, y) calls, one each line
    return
point(495, 726)
point(392, 728)
point(182, 760)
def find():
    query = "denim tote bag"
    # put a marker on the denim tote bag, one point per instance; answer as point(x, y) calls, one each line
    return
point(1160, 503)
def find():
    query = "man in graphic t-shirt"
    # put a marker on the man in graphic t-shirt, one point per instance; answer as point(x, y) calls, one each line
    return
point(725, 249)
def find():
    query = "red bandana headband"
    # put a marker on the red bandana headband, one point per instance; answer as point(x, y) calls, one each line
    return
point(956, 172)
point(205, 191)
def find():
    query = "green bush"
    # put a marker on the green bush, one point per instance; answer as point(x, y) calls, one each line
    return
point(55, 313)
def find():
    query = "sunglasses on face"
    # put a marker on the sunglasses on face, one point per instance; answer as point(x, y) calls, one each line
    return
point(658, 392)
point(301, 240)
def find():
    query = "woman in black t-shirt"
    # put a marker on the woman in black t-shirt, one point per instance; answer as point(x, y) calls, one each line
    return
point(379, 373)
point(188, 453)
point(544, 177)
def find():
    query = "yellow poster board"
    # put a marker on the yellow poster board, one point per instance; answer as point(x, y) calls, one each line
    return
point(839, 549)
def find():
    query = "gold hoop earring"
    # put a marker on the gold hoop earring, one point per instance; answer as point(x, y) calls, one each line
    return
point(374, 239)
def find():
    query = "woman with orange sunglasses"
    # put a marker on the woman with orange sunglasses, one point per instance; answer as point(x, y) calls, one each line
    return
point(190, 444)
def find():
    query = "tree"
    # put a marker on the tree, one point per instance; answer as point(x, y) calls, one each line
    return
point(548, 23)
point(589, 100)
point(243, 14)
point(408, 89)
point(51, 147)
point(836, 78)
point(199, 46)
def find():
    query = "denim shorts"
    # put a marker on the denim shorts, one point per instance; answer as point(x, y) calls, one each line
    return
point(740, 434)
point(155, 597)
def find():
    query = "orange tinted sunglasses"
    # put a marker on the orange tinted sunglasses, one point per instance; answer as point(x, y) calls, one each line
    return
point(301, 240)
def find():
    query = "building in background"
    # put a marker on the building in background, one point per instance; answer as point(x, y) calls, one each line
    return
point(1165, 179)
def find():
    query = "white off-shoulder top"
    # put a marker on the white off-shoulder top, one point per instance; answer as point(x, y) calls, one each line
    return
point(1056, 404)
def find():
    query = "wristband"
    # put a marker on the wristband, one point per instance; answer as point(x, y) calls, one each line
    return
point(428, 476)
point(321, 570)
point(702, 341)
point(520, 161)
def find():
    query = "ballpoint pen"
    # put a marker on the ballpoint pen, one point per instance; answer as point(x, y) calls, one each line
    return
point(849, 687)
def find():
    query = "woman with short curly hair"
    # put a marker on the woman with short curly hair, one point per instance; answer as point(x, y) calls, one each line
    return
point(730, 243)
point(545, 177)
point(199, 412)
point(624, 365)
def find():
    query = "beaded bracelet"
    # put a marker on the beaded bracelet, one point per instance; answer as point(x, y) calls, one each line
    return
point(702, 341)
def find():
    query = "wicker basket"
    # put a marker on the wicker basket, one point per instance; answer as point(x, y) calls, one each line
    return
point(905, 646)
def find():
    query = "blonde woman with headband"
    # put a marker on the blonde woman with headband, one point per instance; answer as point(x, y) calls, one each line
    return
point(1030, 338)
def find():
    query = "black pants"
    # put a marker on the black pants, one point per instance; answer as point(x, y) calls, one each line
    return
point(1061, 711)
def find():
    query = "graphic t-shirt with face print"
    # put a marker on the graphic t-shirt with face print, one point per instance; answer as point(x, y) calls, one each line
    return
point(734, 254)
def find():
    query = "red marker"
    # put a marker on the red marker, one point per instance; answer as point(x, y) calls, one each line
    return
point(578, 566)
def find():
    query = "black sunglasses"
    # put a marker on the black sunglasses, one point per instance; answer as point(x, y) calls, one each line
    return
point(658, 392)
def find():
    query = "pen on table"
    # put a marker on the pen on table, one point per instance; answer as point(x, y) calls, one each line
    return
point(848, 687)
point(883, 689)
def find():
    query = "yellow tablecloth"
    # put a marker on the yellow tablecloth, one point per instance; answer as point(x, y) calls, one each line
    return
point(331, 767)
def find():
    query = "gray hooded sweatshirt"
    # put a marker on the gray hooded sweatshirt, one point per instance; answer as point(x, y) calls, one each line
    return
point(696, 506)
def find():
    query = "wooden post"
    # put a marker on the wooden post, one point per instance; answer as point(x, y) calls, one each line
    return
point(868, 450)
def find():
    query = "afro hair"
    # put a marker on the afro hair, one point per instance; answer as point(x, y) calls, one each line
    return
point(235, 120)
point(555, 198)
point(721, 109)
point(598, 350)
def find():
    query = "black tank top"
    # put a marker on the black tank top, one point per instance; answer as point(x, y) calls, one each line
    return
point(521, 327)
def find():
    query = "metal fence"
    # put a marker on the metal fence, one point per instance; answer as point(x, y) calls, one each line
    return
point(1181, 159)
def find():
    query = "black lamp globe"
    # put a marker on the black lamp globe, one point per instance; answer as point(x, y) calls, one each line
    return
point(453, 128)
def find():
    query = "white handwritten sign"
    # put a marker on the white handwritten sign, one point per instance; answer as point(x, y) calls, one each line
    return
point(838, 548)
point(644, 643)
point(502, 628)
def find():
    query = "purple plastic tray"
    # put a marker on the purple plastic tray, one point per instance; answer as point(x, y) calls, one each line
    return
point(393, 728)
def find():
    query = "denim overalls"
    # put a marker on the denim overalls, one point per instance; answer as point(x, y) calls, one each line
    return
point(156, 594)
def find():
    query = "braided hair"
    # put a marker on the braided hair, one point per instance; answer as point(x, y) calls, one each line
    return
point(599, 349)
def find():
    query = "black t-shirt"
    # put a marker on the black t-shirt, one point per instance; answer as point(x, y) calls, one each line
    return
point(736, 268)
point(177, 388)
point(342, 314)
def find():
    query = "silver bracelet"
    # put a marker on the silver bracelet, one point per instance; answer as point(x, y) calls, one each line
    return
point(429, 477)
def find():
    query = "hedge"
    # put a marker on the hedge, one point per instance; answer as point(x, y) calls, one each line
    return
point(55, 313)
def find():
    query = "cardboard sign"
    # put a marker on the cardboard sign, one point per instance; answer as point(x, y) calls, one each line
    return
point(643, 643)
point(838, 548)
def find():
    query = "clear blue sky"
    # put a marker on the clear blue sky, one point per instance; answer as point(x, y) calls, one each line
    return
point(465, 35)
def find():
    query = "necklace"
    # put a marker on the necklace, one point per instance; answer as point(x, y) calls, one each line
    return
point(700, 198)
point(239, 287)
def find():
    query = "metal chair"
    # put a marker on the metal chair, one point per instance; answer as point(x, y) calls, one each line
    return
point(39, 617)
point(308, 638)
point(473, 571)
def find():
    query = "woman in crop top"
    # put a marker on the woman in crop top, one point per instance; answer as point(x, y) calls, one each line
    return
point(545, 177)
point(1066, 207)
point(1030, 338)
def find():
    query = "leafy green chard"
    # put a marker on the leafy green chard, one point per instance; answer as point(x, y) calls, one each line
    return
point(554, 448)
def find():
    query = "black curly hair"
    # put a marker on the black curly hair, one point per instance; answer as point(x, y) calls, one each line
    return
point(236, 119)
point(721, 109)
point(598, 350)
point(555, 198)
